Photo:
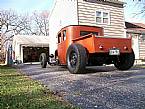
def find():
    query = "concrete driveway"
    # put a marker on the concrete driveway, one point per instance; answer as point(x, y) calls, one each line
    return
point(101, 88)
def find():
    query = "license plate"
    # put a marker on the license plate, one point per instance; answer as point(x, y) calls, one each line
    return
point(114, 52)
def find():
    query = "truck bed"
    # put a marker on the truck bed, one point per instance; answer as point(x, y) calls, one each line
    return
point(96, 44)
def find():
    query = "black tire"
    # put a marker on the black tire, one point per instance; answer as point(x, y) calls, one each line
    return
point(76, 59)
point(43, 60)
point(125, 61)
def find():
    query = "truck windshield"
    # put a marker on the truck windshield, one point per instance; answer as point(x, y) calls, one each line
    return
point(83, 33)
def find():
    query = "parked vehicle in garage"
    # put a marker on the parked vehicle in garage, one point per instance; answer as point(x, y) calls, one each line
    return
point(80, 46)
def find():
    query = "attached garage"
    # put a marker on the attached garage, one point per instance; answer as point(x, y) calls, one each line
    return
point(28, 48)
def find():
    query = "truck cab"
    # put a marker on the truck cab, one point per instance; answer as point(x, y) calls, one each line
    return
point(70, 34)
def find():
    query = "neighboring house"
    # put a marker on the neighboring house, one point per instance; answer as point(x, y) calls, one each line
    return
point(26, 48)
point(108, 14)
point(137, 32)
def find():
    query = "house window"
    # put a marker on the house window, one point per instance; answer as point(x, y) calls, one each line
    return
point(59, 38)
point(64, 35)
point(83, 33)
point(102, 17)
point(98, 17)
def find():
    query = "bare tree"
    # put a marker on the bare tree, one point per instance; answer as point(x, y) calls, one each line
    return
point(11, 24)
point(40, 23)
point(141, 7)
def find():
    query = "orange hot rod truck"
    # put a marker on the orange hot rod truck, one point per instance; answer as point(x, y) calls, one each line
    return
point(81, 46)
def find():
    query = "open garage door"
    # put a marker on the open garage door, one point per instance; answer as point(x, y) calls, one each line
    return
point(31, 54)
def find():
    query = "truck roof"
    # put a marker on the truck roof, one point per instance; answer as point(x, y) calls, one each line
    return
point(82, 25)
point(79, 26)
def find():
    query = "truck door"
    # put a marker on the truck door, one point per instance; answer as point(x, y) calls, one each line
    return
point(62, 47)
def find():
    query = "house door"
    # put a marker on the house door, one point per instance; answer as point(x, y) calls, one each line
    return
point(135, 45)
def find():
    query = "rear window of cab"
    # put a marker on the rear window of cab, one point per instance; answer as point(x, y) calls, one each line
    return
point(83, 33)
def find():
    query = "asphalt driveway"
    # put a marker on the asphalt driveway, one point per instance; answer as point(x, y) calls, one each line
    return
point(100, 88)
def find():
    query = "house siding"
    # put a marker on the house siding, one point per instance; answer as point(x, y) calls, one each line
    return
point(86, 16)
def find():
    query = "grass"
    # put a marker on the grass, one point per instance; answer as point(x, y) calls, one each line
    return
point(143, 66)
point(20, 92)
point(140, 66)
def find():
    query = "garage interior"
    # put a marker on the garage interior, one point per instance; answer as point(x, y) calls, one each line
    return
point(31, 54)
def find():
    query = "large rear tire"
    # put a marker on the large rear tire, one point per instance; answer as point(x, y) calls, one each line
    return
point(125, 61)
point(76, 59)
point(43, 60)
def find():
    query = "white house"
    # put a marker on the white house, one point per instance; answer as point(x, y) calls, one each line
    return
point(28, 48)
point(137, 32)
point(108, 14)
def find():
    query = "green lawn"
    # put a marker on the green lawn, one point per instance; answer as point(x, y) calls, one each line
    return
point(140, 66)
point(143, 66)
point(20, 92)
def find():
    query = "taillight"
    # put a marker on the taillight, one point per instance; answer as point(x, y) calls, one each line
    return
point(101, 47)
point(125, 48)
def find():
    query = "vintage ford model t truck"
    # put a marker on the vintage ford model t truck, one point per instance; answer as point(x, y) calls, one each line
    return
point(81, 46)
